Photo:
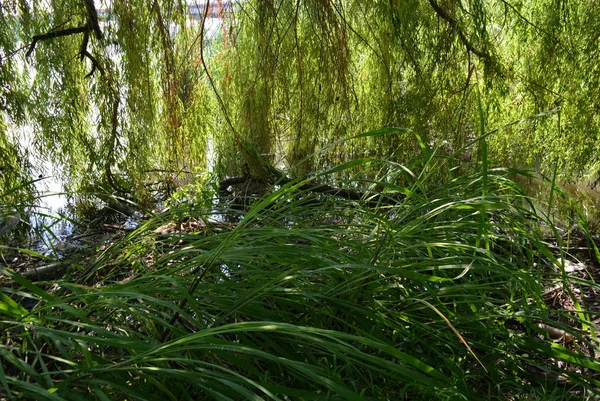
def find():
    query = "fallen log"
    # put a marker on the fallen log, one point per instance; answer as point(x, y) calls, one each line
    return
point(47, 272)
point(372, 199)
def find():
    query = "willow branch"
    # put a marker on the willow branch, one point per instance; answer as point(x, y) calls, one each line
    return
point(205, 267)
point(210, 78)
point(110, 157)
point(528, 22)
point(56, 34)
point(92, 25)
point(95, 64)
point(83, 52)
point(454, 24)
point(93, 18)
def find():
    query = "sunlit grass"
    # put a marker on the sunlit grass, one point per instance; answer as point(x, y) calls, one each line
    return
point(310, 297)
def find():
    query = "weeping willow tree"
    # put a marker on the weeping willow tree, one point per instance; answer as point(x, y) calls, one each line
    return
point(110, 95)
point(419, 291)
point(313, 71)
point(122, 94)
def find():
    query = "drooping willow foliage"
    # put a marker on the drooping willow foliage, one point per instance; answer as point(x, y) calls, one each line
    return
point(269, 81)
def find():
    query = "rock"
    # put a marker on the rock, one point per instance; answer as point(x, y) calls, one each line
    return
point(570, 267)
point(8, 222)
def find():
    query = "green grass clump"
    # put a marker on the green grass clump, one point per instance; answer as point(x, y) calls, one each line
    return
point(435, 294)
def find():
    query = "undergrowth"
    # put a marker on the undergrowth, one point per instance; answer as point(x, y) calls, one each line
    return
point(433, 291)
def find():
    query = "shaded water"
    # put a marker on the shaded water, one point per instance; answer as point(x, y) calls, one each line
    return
point(55, 225)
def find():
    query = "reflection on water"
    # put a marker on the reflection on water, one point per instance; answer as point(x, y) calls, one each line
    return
point(49, 219)
point(55, 228)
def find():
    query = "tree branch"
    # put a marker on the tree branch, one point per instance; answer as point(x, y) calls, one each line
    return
point(93, 18)
point(92, 25)
point(110, 157)
point(95, 64)
point(373, 199)
point(454, 24)
point(56, 34)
